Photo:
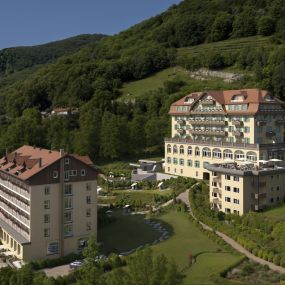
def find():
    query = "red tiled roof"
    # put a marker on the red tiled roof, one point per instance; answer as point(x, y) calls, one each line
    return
point(30, 160)
point(252, 97)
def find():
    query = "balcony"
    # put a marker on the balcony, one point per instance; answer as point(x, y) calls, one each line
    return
point(181, 122)
point(181, 131)
point(208, 112)
point(260, 196)
point(208, 133)
point(270, 134)
point(238, 133)
point(207, 122)
point(217, 201)
point(261, 123)
point(217, 190)
point(280, 122)
point(237, 123)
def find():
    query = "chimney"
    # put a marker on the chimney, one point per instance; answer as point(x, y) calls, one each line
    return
point(61, 152)
point(40, 162)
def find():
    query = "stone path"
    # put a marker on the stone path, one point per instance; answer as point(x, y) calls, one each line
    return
point(57, 271)
point(184, 197)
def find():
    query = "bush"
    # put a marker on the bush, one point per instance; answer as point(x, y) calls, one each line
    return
point(277, 259)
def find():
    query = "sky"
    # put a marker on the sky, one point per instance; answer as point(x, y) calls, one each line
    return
point(32, 22)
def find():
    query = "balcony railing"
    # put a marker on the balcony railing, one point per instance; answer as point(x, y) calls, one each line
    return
point(217, 201)
point(181, 131)
point(205, 111)
point(280, 122)
point(208, 132)
point(181, 122)
point(15, 188)
point(237, 123)
point(207, 122)
point(237, 133)
point(261, 123)
point(217, 190)
point(6, 177)
point(207, 102)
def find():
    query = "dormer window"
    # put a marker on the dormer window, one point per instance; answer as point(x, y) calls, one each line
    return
point(189, 100)
point(66, 161)
point(269, 98)
point(238, 98)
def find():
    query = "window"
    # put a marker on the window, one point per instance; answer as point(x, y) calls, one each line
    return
point(197, 151)
point(236, 190)
point(46, 218)
point(236, 178)
point(271, 200)
point(227, 188)
point(47, 190)
point(168, 159)
point(67, 190)
point(206, 152)
point(236, 201)
point(247, 130)
point(175, 149)
point(66, 161)
point(88, 186)
point(88, 213)
point(227, 210)
point(251, 156)
point(168, 148)
point(181, 149)
point(72, 172)
point(277, 188)
point(175, 161)
point(247, 140)
point(46, 232)
point(88, 199)
point(181, 161)
point(181, 171)
point(68, 203)
point(68, 217)
point(88, 226)
point(217, 153)
point(228, 154)
point(55, 174)
point(46, 204)
point(189, 150)
point(227, 177)
point(197, 163)
point(83, 172)
point(189, 163)
point(67, 230)
point(227, 199)
point(239, 155)
point(66, 175)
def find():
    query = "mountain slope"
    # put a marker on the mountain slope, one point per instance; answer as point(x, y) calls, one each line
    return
point(19, 58)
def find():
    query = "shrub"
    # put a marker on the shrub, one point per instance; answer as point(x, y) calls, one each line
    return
point(276, 259)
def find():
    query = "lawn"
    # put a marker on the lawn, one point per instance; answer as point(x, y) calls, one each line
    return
point(276, 213)
point(188, 238)
point(145, 196)
point(132, 232)
point(135, 89)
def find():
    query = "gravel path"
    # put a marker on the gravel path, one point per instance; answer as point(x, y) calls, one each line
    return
point(184, 197)
point(57, 271)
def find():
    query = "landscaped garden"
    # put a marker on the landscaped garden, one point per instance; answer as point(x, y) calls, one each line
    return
point(185, 238)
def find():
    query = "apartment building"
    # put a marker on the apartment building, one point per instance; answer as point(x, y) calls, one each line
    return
point(214, 126)
point(48, 202)
point(240, 188)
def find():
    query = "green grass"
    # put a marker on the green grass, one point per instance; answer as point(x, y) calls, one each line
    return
point(145, 196)
point(188, 238)
point(276, 213)
point(225, 46)
point(129, 232)
point(126, 233)
point(135, 89)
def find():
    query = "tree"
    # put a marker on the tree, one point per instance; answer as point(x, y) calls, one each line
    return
point(221, 27)
point(266, 26)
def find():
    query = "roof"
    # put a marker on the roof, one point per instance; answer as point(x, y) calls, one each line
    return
point(252, 97)
point(27, 161)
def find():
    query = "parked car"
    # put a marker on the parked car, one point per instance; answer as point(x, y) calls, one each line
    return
point(76, 264)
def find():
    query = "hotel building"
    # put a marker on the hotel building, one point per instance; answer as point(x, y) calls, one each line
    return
point(48, 203)
point(223, 126)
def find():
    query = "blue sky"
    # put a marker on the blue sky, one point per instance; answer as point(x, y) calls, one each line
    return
point(31, 22)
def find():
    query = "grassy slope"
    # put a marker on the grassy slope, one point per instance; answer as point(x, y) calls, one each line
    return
point(225, 46)
point(276, 213)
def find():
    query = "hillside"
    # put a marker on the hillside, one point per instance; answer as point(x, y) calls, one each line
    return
point(247, 36)
point(19, 58)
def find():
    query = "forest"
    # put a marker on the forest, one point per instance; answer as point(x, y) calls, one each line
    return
point(92, 78)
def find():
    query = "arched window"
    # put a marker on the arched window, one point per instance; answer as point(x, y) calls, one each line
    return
point(228, 154)
point(251, 156)
point(181, 149)
point(206, 152)
point(168, 148)
point(197, 151)
point(217, 153)
point(239, 155)
point(175, 149)
point(189, 150)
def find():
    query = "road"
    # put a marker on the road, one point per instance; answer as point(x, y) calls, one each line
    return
point(184, 197)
